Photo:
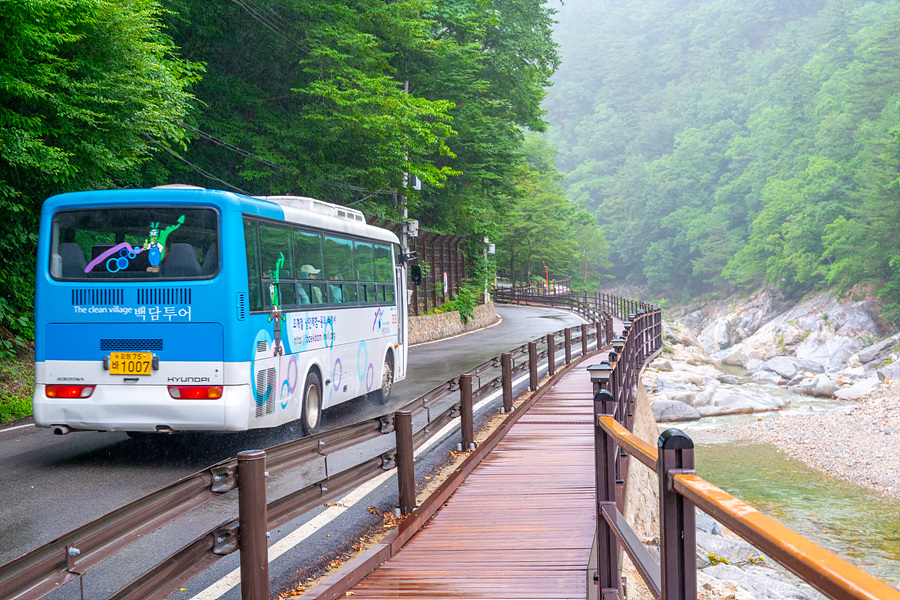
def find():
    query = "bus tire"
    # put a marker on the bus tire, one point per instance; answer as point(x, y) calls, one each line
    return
point(383, 394)
point(311, 409)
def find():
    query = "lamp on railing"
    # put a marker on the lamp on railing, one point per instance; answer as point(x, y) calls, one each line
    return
point(600, 374)
point(617, 344)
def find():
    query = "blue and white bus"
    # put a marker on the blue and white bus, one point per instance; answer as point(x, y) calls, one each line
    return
point(178, 308)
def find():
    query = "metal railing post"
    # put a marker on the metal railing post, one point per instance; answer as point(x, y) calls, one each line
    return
point(532, 366)
point(467, 418)
point(506, 376)
point(406, 471)
point(584, 340)
point(567, 335)
point(604, 460)
point(677, 522)
point(252, 518)
point(551, 357)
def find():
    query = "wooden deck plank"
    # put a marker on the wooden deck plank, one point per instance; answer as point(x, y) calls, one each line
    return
point(521, 525)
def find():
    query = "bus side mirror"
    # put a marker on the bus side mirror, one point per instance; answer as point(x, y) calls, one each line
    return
point(415, 274)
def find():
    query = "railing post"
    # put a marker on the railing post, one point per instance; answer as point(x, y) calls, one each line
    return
point(506, 377)
point(467, 419)
point(677, 522)
point(604, 460)
point(406, 471)
point(252, 518)
point(551, 359)
point(584, 340)
point(610, 333)
point(567, 335)
point(598, 331)
point(532, 366)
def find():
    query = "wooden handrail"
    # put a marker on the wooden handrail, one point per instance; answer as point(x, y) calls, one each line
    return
point(828, 573)
point(629, 442)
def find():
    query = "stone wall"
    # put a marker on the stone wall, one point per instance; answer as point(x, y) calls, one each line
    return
point(435, 327)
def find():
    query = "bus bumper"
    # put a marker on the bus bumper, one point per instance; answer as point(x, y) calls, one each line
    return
point(144, 408)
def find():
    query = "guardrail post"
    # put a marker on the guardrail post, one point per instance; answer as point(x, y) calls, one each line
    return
point(506, 377)
point(677, 518)
point(598, 331)
point(551, 358)
point(252, 519)
point(532, 366)
point(567, 335)
point(406, 471)
point(584, 340)
point(604, 460)
point(467, 418)
point(610, 332)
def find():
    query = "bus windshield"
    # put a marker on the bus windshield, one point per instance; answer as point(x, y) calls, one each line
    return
point(135, 242)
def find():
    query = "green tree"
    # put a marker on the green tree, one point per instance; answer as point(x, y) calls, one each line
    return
point(89, 89)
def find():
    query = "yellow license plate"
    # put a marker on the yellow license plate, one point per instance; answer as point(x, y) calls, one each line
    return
point(130, 363)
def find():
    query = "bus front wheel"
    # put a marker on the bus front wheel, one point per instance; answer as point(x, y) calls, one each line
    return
point(311, 410)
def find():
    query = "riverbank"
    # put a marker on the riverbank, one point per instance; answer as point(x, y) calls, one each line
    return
point(858, 443)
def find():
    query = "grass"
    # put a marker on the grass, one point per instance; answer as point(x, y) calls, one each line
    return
point(16, 387)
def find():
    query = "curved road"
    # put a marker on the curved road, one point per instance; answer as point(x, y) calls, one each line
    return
point(53, 484)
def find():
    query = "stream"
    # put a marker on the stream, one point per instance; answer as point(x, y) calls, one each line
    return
point(855, 523)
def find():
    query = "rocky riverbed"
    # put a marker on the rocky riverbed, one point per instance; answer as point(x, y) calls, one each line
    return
point(832, 361)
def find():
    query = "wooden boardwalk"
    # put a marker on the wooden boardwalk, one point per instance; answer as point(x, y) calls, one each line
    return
point(521, 525)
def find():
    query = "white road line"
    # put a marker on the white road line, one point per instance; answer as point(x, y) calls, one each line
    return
point(290, 541)
point(16, 427)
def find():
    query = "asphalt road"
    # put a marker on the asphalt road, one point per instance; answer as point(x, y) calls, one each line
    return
point(53, 484)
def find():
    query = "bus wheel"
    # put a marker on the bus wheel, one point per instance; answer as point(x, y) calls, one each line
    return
point(311, 410)
point(383, 394)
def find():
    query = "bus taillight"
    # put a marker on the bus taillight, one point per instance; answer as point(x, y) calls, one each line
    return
point(69, 391)
point(195, 392)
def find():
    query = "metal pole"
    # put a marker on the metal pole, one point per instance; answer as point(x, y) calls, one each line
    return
point(677, 523)
point(406, 472)
point(506, 375)
point(532, 366)
point(467, 419)
point(252, 518)
point(604, 457)
point(551, 359)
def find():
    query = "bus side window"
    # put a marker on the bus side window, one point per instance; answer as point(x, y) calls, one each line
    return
point(253, 277)
point(339, 267)
point(275, 243)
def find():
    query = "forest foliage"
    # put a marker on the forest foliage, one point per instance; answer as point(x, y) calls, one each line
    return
point(342, 101)
point(729, 145)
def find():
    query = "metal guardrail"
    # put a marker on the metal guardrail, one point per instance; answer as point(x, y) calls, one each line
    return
point(681, 492)
point(44, 569)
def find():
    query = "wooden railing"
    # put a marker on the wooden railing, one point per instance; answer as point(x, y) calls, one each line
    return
point(681, 491)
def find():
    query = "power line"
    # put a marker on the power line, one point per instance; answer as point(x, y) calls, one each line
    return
point(206, 174)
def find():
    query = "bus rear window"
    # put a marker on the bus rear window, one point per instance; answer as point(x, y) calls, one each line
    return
point(145, 242)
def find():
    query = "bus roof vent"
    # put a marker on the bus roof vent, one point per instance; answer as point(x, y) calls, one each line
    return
point(317, 206)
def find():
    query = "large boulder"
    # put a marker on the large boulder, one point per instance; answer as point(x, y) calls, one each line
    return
point(670, 410)
point(740, 399)
point(821, 386)
point(858, 390)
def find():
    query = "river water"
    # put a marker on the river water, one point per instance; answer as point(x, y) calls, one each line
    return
point(858, 525)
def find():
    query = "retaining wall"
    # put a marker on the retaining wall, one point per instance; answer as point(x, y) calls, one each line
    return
point(434, 327)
